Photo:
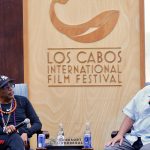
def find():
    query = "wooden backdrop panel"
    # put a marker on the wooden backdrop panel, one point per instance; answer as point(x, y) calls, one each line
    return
point(74, 105)
point(11, 39)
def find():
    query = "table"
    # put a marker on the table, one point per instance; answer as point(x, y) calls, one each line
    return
point(62, 148)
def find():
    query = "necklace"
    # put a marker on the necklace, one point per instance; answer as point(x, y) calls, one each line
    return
point(12, 109)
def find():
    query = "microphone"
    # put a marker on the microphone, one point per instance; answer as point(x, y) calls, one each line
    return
point(26, 121)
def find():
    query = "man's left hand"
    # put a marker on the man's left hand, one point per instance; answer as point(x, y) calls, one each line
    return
point(24, 137)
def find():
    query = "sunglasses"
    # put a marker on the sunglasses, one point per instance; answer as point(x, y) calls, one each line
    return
point(8, 86)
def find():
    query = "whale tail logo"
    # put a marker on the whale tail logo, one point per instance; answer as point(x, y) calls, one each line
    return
point(91, 31)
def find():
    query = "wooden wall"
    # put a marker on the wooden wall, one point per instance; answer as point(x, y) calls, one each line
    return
point(48, 44)
point(73, 106)
point(11, 39)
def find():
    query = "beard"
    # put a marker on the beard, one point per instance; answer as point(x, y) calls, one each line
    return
point(7, 98)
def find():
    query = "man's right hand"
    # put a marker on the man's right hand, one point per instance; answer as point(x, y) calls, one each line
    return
point(10, 129)
point(125, 127)
point(117, 138)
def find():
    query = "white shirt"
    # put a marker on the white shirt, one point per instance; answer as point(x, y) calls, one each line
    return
point(138, 109)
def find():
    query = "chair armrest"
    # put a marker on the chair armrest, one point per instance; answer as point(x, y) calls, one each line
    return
point(46, 134)
point(114, 133)
point(43, 132)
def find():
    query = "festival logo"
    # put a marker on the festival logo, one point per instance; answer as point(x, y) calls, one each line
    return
point(101, 25)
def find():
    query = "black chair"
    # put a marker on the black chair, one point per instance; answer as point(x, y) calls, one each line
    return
point(114, 133)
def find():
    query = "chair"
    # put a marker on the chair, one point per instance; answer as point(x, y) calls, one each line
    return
point(147, 83)
point(22, 89)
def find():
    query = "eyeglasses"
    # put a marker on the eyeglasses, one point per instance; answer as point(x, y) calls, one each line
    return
point(8, 86)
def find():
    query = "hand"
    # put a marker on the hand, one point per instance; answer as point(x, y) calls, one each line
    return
point(117, 138)
point(24, 137)
point(10, 129)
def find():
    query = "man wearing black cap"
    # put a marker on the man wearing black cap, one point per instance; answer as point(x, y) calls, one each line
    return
point(14, 110)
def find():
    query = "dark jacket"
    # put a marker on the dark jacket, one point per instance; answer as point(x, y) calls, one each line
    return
point(24, 110)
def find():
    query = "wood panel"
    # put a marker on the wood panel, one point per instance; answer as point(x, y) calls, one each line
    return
point(142, 43)
point(71, 103)
point(11, 39)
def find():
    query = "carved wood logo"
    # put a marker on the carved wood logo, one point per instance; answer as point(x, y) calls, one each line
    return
point(101, 24)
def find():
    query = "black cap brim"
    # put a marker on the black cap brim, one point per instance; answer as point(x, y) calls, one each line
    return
point(6, 81)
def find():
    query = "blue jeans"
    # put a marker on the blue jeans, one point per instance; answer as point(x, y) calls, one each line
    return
point(12, 142)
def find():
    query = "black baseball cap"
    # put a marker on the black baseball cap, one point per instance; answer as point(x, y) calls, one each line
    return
point(4, 80)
